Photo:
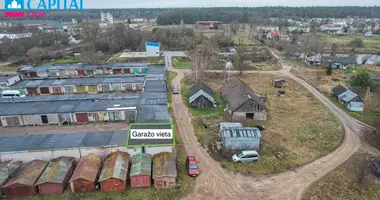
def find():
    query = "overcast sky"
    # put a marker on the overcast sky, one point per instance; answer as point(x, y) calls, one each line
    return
point(211, 3)
point(221, 3)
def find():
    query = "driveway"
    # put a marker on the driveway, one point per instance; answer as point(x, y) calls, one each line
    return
point(217, 183)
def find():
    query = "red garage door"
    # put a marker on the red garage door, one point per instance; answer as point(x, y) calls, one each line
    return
point(81, 72)
point(32, 74)
point(82, 117)
point(1, 124)
point(32, 91)
point(44, 90)
point(57, 90)
point(127, 70)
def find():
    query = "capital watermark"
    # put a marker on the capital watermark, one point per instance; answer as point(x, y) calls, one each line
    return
point(36, 8)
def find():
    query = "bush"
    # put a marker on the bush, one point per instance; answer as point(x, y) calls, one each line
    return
point(329, 70)
point(363, 80)
point(356, 43)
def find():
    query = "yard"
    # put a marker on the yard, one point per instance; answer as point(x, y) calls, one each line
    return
point(318, 78)
point(9, 68)
point(342, 183)
point(181, 62)
point(291, 129)
point(371, 44)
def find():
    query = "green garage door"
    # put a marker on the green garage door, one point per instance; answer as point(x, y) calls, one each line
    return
point(81, 89)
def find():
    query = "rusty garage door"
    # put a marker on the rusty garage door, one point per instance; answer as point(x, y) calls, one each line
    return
point(44, 90)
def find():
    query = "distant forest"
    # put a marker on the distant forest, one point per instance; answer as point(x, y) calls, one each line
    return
point(166, 16)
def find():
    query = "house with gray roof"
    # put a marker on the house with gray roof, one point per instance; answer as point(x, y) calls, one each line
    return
point(339, 62)
point(201, 96)
point(347, 98)
point(242, 102)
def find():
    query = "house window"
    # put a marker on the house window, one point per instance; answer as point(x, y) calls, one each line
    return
point(249, 115)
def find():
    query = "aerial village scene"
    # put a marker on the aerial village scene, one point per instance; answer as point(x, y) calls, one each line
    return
point(113, 102)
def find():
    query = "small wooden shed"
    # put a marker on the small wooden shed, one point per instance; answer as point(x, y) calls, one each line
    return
point(279, 82)
point(164, 170)
point(141, 170)
point(23, 184)
point(113, 176)
point(201, 96)
point(56, 176)
point(85, 174)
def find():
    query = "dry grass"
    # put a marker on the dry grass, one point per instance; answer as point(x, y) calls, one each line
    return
point(342, 183)
point(291, 128)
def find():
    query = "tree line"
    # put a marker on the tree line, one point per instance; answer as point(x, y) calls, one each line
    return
point(167, 16)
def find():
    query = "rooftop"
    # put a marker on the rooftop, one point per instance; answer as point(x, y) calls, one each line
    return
point(164, 164)
point(81, 66)
point(56, 171)
point(141, 165)
point(28, 174)
point(72, 106)
point(115, 166)
point(242, 132)
point(87, 168)
point(152, 113)
point(62, 141)
point(5, 78)
point(30, 83)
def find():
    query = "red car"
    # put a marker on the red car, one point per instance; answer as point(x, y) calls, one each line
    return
point(192, 166)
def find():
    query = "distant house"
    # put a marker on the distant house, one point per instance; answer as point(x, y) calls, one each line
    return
point(74, 39)
point(368, 33)
point(152, 49)
point(208, 25)
point(201, 96)
point(236, 137)
point(14, 36)
point(242, 102)
point(340, 62)
point(273, 35)
point(279, 82)
point(315, 60)
point(348, 99)
point(164, 170)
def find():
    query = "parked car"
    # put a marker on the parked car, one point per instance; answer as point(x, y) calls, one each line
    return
point(175, 90)
point(12, 94)
point(260, 127)
point(192, 166)
point(246, 156)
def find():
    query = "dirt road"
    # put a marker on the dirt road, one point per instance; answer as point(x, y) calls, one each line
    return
point(217, 183)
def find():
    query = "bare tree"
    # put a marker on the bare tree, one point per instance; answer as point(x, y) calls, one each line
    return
point(234, 26)
point(90, 31)
point(238, 60)
point(35, 55)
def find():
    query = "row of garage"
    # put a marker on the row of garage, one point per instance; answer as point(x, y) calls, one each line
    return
point(67, 70)
point(80, 89)
point(67, 118)
point(80, 85)
point(110, 173)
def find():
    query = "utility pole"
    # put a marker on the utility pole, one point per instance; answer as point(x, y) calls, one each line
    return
point(367, 99)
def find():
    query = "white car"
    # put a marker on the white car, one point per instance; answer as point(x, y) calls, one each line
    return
point(246, 156)
point(12, 94)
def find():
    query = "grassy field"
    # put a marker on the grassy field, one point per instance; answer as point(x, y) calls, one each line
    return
point(342, 183)
point(9, 68)
point(170, 76)
point(62, 61)
point(243, 37)
point(345, 39)
point(291, 128)
point(182, 65)
point(325, 83)
point(264, 67)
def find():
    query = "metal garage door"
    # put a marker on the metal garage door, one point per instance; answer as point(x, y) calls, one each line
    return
point(144, 69)
point(136, 70)
point(32, 91)
point(127, 70)
point(69, 89)
point(44, 90)
point(106, 88)
point(12, 121)
point(57, 90)
point(81, 72)
point(32, 74)
point(92, 88)
point(81, 89)
point(114, 116)
point(82, 117)
point(90, 72)
point(117, 71)
point(64, 118)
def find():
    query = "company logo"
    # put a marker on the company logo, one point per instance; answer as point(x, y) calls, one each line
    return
point(20, 8)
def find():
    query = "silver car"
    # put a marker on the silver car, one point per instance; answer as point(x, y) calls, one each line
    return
point(246, 156)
